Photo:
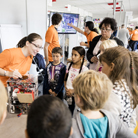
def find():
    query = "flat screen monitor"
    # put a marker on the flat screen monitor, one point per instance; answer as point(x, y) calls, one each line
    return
point(66, 18)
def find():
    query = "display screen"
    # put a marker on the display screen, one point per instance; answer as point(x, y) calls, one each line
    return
point(66, 18)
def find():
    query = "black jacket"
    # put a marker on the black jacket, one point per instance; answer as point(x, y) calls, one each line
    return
point(95, 41)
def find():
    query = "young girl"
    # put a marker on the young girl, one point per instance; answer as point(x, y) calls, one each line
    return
point(73, 69)
point(104, 45)
point(120, 65)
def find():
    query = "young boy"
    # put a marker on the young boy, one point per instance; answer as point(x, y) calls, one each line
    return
point(54, 76)
point(3, 103)
point(51, 37)
point(91, 90)
point(48, 117)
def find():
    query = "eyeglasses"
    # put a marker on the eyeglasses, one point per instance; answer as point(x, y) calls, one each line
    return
point(36, 46)
point(107, 30)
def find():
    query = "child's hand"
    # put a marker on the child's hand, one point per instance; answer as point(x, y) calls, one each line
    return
point(50, 91)
point(71, 91)
point(54, 94)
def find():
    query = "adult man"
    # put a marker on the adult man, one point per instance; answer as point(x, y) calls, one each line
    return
point(51, 37)
point(123, 35)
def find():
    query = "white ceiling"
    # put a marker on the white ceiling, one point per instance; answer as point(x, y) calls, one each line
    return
point(96, 6)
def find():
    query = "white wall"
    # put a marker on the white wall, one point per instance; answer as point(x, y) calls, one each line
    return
point(13, 12)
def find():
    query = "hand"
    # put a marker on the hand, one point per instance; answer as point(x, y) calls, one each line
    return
point(50, 91)
point(47, 63)
point(94, 59)
point(54, 94)
point(15, 74)
point(70, 24)
point(70, 92)
point(82, 43)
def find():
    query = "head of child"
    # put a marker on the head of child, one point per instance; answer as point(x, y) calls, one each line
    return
point(57, 55)
point(48, 117)
point(3, 103)
point(56, 19)
point(91, 90)
point(78, 54)
point(119, 63)
point(107, 44)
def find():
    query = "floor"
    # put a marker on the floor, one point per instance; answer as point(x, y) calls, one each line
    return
point(13, 126)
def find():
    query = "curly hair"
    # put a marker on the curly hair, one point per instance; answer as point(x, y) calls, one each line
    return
point(109, 21)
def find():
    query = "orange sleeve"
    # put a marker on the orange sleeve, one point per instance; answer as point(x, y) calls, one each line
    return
point(5, 58)
point(49, 36)
point(85, 34)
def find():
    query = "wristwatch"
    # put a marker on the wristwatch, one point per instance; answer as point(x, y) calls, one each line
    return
point(5, 73)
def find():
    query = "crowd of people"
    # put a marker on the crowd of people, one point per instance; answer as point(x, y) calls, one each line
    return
point(101, 98)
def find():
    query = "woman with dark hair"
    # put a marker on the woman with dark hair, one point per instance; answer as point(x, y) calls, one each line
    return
point(89, 31)
point(16, 62)
point(107, 26)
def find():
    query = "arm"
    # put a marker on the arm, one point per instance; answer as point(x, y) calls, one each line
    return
point(84, 44)
point(46, 52)
point(60, 84)
point(76, 28)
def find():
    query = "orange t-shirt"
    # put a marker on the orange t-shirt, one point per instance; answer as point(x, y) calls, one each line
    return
point(52, 38)
point(134, 35)
point(11, 59)
point(90, 36)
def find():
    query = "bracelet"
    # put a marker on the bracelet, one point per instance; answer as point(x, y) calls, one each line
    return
point(5, 73)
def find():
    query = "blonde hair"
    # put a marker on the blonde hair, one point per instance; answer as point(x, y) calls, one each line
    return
point(3, 99)
point(93, 88)
point(108, 44)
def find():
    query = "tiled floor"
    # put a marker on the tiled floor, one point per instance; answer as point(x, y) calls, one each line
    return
point(14, 127)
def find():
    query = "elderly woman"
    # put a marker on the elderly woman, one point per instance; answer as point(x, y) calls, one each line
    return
point(107, 26)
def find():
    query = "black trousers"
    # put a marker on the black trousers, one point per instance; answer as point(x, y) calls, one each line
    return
point(72, 106)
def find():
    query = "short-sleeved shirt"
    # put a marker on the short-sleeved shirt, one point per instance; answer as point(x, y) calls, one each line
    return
point(11, 59)
point(52, 38)
point(72, 74)
point(90, 36)
point(134, 35)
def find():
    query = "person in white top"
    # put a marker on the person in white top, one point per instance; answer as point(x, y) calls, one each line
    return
point(123, 35)
point(74, 68)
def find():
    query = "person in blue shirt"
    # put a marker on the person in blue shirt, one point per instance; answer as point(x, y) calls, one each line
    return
point(54, 75)
point(91, 91)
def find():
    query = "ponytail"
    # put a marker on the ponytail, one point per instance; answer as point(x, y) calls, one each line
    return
point(133, 77)
point(30, 38)
point(81, 65)
point(67, 74)
point(22, 42)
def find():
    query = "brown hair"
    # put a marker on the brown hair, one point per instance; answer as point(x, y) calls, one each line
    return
point(93, 88)
point(31, 37)
point(57, 50)
point(3, 99)
point(125, 65)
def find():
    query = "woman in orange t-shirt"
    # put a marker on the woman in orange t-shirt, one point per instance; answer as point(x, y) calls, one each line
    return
point(134, 38)
point(89, 31)
point(16, 62)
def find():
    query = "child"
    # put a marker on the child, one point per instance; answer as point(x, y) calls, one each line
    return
point(74, 68)
point(91, 90)
point(119, 65)
point(104, 45)
point(3, 103)
point(55, 73)
point(48, 117)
